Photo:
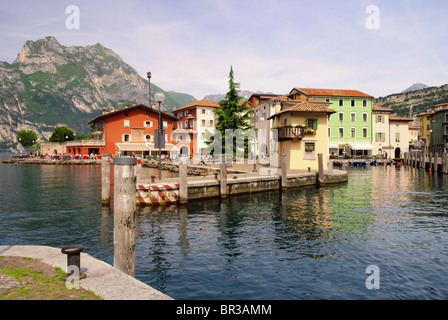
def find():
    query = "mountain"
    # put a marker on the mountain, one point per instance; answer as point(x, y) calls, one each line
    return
point(414, 102)
point(50, 85)
point(246, 94)
point(415, 87)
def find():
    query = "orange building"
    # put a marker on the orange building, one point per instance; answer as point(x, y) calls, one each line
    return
point(125, 132)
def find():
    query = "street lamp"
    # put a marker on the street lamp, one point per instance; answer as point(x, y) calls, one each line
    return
point(160, 136)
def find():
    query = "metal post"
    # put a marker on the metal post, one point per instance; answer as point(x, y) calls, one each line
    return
point(160, 138)
point(149, 79)
point(105, 179)
point(73, 253)
point(125, 199)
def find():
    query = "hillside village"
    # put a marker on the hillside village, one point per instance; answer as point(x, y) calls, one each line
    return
point(300, 124)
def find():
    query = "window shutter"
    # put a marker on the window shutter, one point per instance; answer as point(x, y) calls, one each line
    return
point(383, 118)
point(315, 124)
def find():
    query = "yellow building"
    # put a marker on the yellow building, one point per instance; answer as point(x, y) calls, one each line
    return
point(424, 130)
point(302, 132)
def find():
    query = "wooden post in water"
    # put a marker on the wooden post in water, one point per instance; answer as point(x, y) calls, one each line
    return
point(124, 214)
point(321, 169)
point(436, 162)
point(223, 182)
point(183, 186)
point(430, 160)
point(424, 160)
point(105, 179)
point(284, 173)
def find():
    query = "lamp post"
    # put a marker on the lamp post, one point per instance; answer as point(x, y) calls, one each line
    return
point(149, 79)
point(160, 137)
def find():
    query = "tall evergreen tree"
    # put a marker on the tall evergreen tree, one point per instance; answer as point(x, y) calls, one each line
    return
point(233, 126)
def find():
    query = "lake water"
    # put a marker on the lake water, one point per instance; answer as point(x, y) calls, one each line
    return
point(305, 243)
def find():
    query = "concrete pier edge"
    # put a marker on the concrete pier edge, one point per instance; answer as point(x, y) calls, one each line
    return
point(102, 279)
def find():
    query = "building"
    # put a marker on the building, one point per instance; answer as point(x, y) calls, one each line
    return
point(438, 129)
point(424, 130)
point(301, 132)
point(350, 127)
point(391, 133)
point(193, 122)
point(125, 132)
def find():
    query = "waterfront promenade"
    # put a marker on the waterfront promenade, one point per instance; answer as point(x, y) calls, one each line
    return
point(102, 279)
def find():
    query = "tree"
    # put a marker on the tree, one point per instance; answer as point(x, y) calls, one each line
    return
point(232, 124)
point(61, 134)
point(27, 138)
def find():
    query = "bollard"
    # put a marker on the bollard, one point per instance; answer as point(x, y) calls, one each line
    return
point(73, 253)
point(125, 199)
point(330, 167)
point(105, 179)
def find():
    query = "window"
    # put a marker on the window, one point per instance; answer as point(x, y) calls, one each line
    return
point(148, 138)
point(191, 124)
point(126, 123)
point(126, 138)
point(364, 132)
point(309, 146)
point(380, 119)
point(327, 100)
point(364, 117)
point(380, 137)
point(203, 111)
point(329, 132)
point(352, 132)
point(364, 103)
point(397, 137)
point(341, 116)
point(211, 123)
point(341, 132)
point(353, 103)
point(203, 123)
point(341, 102)
point(353, 116)
point(148, 124)
point(165, 124)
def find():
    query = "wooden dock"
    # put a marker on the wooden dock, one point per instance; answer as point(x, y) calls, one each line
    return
point(433, 162)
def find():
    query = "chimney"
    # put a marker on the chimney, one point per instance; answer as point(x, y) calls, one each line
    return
point(116, 109)
point(104, 111)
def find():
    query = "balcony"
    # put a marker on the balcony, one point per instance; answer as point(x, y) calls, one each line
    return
point(289, 133)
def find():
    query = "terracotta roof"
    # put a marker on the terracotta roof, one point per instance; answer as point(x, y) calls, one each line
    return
point(127, 108)
point(383, 109)
point(333, 92)
point(398, 118)
point(200, 103)
point(305, 106)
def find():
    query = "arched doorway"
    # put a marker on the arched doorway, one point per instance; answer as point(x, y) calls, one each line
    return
point(184, 151)
point(397, 153)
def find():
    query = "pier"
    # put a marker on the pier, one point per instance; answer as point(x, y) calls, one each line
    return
point(433, 162)
point(235, 180)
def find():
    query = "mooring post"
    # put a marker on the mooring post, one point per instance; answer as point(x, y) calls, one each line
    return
point(321, 177)
point(424, 160)
point(330, 166)
point(73, 253)
point(124, 214)
point(223, 182)
point(436, 161)
point(183, 186)
point(430, 160)
point(105, 179)
point(284, 173)
point(138, 168)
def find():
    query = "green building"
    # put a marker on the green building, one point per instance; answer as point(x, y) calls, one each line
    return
point(350, 128)
point(438, 129)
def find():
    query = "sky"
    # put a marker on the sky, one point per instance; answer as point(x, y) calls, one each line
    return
point(377, 47)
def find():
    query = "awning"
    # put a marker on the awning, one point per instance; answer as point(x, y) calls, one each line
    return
point(136, 147)
point(362, 146)
point(132, 147)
